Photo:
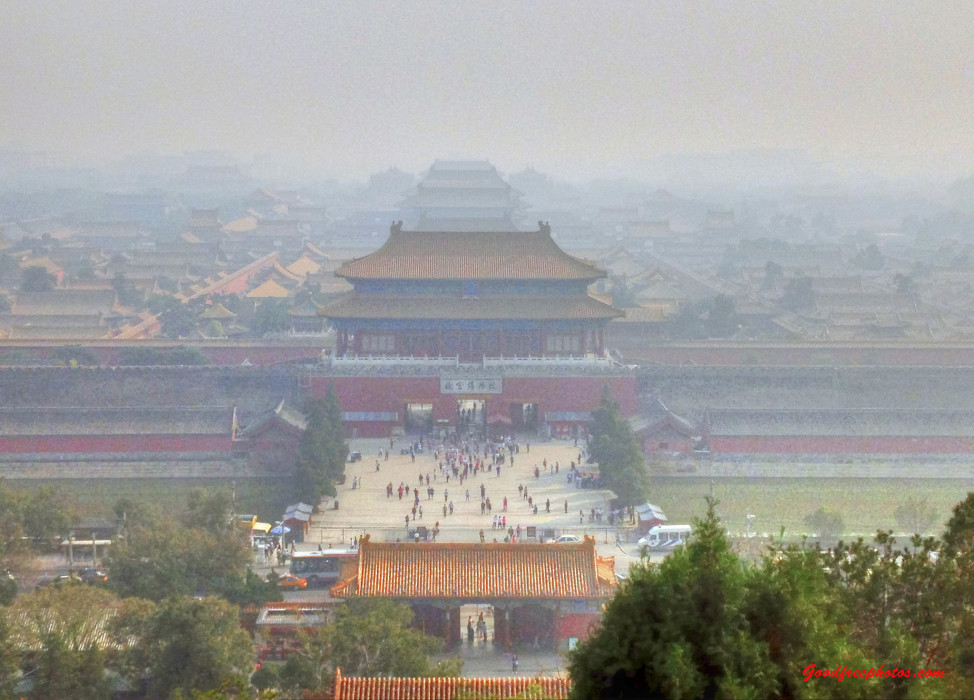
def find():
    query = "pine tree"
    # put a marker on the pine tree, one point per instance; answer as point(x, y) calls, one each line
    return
point(617, 450)
point(322, 452)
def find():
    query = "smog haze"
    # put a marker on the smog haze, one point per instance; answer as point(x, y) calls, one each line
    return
point(584, 88)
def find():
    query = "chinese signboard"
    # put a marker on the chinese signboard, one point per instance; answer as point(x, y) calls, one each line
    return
point(470, 385)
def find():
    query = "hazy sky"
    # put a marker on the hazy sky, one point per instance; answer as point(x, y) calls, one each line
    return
point(563, 86)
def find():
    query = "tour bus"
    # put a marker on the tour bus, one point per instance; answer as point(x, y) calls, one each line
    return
point(665, 536)
point(322, 567)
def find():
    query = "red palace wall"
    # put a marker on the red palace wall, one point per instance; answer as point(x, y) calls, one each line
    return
point(803, 355)
point(841, 445)
point(550, 393)
point(26, 353)
point(578, 625)
point(66, 444)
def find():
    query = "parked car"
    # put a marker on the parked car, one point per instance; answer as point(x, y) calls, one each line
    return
point(565, 538)
point(292, 581)
point(93, 575)
point(355, 456)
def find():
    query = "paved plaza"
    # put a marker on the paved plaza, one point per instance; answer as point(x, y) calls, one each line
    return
point(368, 510)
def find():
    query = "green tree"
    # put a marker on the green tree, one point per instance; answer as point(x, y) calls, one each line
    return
point(9, 671)
point(13, 546)
point(337, 448)
point(772, 273)
point(617, 450)
point(905, 284)
point(372, 637)
point(322, 450)
point(36, 279)
point(623, 295)
point(196, 645)
point(799, 295)
point(29, 518)
point(59, 633)
point(177, 321)
point(271, 317)
point(704, 624)
point(209, 511)
point(160, 557)
point(128, 295)
point(916, 515)
point(825, 524)
point(722, 320)
point(870, 258)
point(167, 284)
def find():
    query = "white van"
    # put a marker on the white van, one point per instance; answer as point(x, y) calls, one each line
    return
point(665, 536)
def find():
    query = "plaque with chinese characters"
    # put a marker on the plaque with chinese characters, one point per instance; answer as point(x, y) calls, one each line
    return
point(470, 385)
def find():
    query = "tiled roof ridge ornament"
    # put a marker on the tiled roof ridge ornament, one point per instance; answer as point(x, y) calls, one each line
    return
point(544, 227)
point(396, 227)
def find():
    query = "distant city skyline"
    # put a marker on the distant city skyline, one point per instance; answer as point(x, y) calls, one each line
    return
point(584, 89)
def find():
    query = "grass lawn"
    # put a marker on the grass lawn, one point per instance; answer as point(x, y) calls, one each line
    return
point(97, 497)
point(865, 505)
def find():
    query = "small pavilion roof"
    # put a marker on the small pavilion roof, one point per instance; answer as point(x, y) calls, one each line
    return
point(483, 255)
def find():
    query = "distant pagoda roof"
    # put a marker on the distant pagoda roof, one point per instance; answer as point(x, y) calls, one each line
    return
point(499, 255)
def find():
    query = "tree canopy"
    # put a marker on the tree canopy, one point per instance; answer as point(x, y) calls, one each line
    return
point(368, 637)
point(322, 451)
point(617, 450)
point(200, 554)
point(196, 645)
point(706, 623)
point(36, 279)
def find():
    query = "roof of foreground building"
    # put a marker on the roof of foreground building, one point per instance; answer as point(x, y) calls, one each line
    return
point(478, 571)
point(440, 688)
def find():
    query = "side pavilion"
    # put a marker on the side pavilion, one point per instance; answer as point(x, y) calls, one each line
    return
point(545, 595)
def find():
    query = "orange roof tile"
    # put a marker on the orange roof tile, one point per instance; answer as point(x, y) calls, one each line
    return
point(440, 688)
point(477, 571)
point(470, 256)
point(501, 306)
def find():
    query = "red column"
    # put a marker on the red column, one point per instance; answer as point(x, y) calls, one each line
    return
point(447, 630)
point(506, 636)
